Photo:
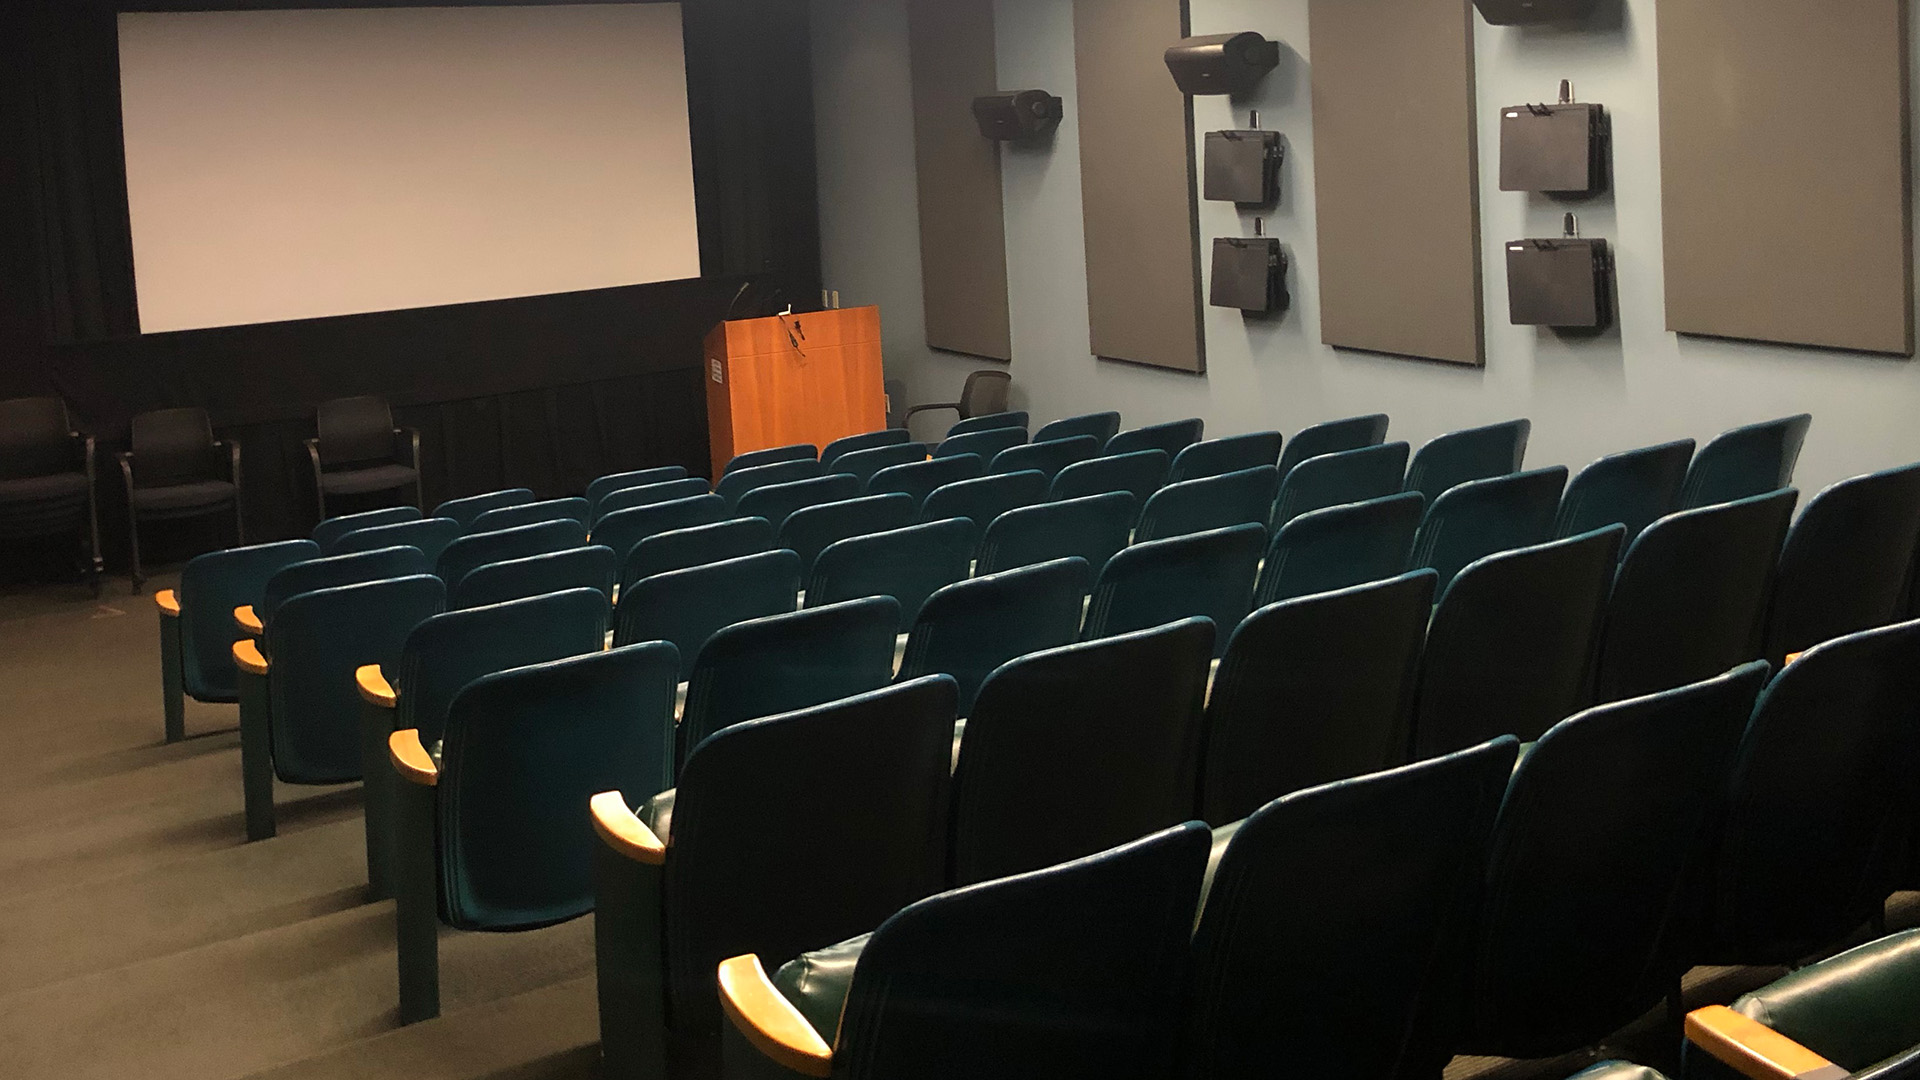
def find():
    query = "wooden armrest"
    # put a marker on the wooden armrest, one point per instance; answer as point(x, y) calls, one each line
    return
point(625, 833)
point(169, 602)
point(1791, 657)
point(246, 657)
point(247, 621)
point(1755, 1050)
point(374, 688)
point(411, 760)
point(769, 1021)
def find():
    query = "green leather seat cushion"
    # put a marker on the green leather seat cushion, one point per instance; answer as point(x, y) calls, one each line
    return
point(1858, 1009)
point(817, 983)
point(1619, 1070)
point(657, 812)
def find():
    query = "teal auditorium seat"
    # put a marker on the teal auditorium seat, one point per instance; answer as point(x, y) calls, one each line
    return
point(646, 495)
point(1592, 866)
point(1746, 461)
point(1634, 489)
point(509, 517)
point(738, 482)
point(1473, 520)
point(776, 501)
point(1208, 575)
point(778, 455)
point(607, 485)
point(536, 575)
point(687, 607)
point(626, 529)
point(1141, 474)
point(430, 535)
point(467, 510)
point(478, 549)
point(328, 533)
point(1333, 437)
point(984, 443)
point(985, 498)
point(1234, 453)
point(921, 479)
point(1328, 936)
point(1340, 547)
point(1101, 426)
point(699, 545)
point(989, 422)
point(1093, 528)
point(1073, 750)
point(1691, 596)
point(907, 564)
point(492, 834)
point(1340, 478)
point(1511, 648)
point(862, 464)
point(786, 662)
point(299, 716)
point(785, 833)
point(1846, 561)
point(1618, 1070)
point(1457, 457)
point(196, 623)
point(810, 531)
point(1074, 970)
point(970, 628)
point(1312, 691)
point(1212, 502)
point(332, 572)
point(1169, 438)
point(1049, 456)
point(869, 441)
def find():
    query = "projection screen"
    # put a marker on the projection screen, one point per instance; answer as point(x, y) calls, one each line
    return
point(293, 164)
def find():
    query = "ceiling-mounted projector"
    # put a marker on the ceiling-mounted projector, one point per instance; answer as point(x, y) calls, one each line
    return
point(1222, 63)
point(1533, 12)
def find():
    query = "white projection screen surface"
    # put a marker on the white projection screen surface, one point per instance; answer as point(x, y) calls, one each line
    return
point(295, 164)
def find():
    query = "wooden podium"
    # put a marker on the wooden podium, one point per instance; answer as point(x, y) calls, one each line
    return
point(789, 379)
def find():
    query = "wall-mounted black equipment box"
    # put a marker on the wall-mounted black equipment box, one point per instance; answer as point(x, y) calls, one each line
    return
point(1560, 148)
point(1533, 12)
point(1249, 274)
point(1565, 283)
point(1243, 167)
point(1222, 63)
point(1025, 114)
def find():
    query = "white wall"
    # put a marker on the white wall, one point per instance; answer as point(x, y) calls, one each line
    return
point(1636, 385)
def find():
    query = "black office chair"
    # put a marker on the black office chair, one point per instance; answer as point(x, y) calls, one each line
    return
point(360, 452)
point(46, 476)
point(174, 471)
point(985, 392)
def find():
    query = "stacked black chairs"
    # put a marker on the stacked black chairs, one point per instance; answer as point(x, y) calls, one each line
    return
point(607, 485)
point(984, 443)
point(359, 451)
point(1634, 489)
point(1333, 437)
point(469, 553)
point(862, 464)
point(871, 440)
point(1235, 453)
point(985, 498)
point(778, 455)
point(812, 530)
point(630, 498)
point(196, 623)
point(1691, 596)
point(1211, 502)
point(177, 470)
point(1846, 561)
point(327, 572)
point(533, 513)
point(1746, 461)
point(489, 834)
point(907, 564)
point(687, 607)
point(1338, 705)
point(982, 404)
point(1208, 575)
point(1140, 473)
point(1484, 517)
point(738, 482)
point(849, 798)
point(1094, 528)
point(627, 529)
point(1340, 547)
point(1473, 454)
point(1169, 438)
point(467, 510)
point(1339, 478)
point(921, 479)
point(1512, 646)
point(1048, 457)
point(776, 502)
point(592, 567)
point(1100, 426)
point(970, 628)
point(430, 535)
point(698, 545)
point(330, 532)
point(47, 485)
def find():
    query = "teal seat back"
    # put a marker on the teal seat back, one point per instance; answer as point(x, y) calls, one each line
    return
point(1073, 750)
point(430, 535)
point(445, 653)
point(985, 498)
point(969, 628)
point(989, 422)
point(1333, 437)
point(1047, 456)
point(1375, 878)
point(1235, 453)
point(331, 572)
point(1093, 528)
point(328, 533)
point(778, 455)
point(1100, 427)
point(1485, 517)
point(1341, 547)
point(1212, 502)
point(810, 531)
point(1169, 438)
point(700, 545)
point(1746, 461)
point(1337, 479)
point(623, 530)
point(983, 443)
point(921, 479)
point(1339, 706)
point(1593, 856)
point(907, 564)
point(1820, 797)
point(534, 513)
point(1457, 457)
point(834, 450)
point(1846, 561)
point(738, 482)
point(211, 586)
point(1859, 1009)
point(607, 485)
point(776, 502)
point(1634, 489)
point(1208, 575)
point(525, 751)
point(628, 498)
point(1141, 473)
point(1512, 646)
point(1691, 596)
point(862, 464)
point(785, 662)
point(478, 549)
point(318, 640)
point(689, 606)
point(467, 510)
point(536, 575)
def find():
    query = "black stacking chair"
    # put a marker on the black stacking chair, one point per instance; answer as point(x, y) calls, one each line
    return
point(689, 606)
point(983, 402)
point(1512, 646)
point(984, 443)
point(1333, 437)
point(360, 452)
point(838, 448)
point(1099, 741)
point(812, 530)
point(1211, 502)
point(1312, 691)
point(1100, 426)
point(1634, 489)
point(1170, 438)
point(699, 545)
point(985, 498)
point(1093, 528)
point(177, 469)
point(1485, 517)
point(1332, 918)
point(777, 502)
point(47, 477)
point(1234, 453)
point(1473, 454)
point(1746, 461)
point(1846, 561)
point(1208, 574)
point(907, 564)
point(1692, 595)
point(1336, 479)
point(1606, 822)
point(1340, 547)
point(969, 628)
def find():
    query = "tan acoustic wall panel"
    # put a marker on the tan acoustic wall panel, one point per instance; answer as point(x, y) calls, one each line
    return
point(1137, 183)
point(1395, 177)
point(1784, 166)
point(963, 225)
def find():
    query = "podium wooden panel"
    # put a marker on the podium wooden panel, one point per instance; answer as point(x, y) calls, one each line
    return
point(792, 379)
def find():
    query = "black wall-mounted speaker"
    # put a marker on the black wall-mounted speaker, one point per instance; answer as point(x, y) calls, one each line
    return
point(1249, 274)
point(1024, 114)
point(1533, 12)
point(1242, 167)
point(1222, 63)
point(1566, 283)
